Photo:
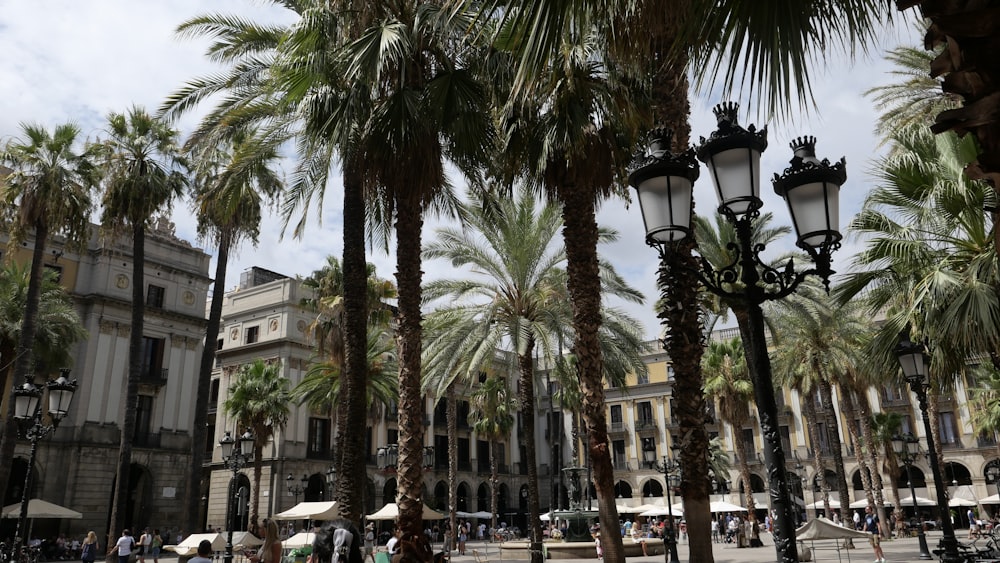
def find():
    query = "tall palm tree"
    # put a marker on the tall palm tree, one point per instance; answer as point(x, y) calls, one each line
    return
point(258, 401)
point(143, 171)
point(727, 381)
point(516, 298)
point(229, 187)
point(45, 193)
point(491, 416)
point(772, 42)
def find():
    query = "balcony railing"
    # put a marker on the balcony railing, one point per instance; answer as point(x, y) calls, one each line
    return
point(146, 440)
point(622, 465)
point(617, 427)
point(645, 424)
point(153, 376)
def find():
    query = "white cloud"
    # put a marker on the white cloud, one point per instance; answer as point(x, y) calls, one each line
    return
point(76, 61)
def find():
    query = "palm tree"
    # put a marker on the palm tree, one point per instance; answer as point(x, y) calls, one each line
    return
point(142, 174)
point(45, 193)
point(258, 401)
point(229, 189)
point(517, 298)
point(727, 380)
point(774, 41)
point(885, 427)
point(491, 416)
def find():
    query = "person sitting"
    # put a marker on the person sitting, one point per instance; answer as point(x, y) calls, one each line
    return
point(204, 553)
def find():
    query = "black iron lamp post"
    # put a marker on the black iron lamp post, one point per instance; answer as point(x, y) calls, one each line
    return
point(331, 481)
point(234, 459)
point(913, 360)
point(294, 489)
point(428, 457)
point(31, 426)
point(811, 187)
point(901, 445)
point(671, 474)
point(993, 474)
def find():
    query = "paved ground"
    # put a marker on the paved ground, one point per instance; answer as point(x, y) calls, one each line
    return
point(896, 551)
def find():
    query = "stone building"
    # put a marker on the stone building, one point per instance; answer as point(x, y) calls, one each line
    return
point(264, 318)
point(76, 465)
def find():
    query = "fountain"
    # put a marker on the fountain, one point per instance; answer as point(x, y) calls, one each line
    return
point(577, 519)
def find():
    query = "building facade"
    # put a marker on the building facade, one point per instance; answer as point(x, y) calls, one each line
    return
point(76, 465)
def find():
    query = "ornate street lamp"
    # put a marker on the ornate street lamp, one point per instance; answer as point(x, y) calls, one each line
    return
point(331, 481)
point(810, 187)
point(901, 446)
point(428, 457)
point(913, 361)
point(31, 426)
point(671, 474)
point(235, 459)
point(296, 490)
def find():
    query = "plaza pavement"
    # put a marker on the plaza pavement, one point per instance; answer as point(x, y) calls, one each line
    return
point(896, 551)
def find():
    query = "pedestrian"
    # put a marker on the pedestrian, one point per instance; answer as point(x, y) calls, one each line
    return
point(463, 536)
point(874, 536)
point(715, 530)
point(144, 543)
point(857, 520)
point(636, 532)
point(973, 527)
point(369, 552)
point(204, 553)
point(124, 546)
point(155, 544)
point(90, 547)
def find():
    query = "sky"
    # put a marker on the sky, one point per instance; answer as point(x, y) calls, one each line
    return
point(70, 61)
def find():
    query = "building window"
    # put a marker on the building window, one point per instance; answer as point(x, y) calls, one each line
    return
point(748, 445)
point(319, 437)
point(824, 438)
point(618, 454)
point(213, 393)
point(218, 345)
point(616, 414)
point(646, 413)
point(154, 296)
point(143, 421)
point(893, 394)
point(642, 378)
point(670, 373)
point(948, 428)
point(152, 358)
point(252, 335)
point(906, 425)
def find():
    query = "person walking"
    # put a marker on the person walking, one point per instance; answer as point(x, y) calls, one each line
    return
point(155, 545)
point(874, 536)
point(124, 546)
point(88, 552)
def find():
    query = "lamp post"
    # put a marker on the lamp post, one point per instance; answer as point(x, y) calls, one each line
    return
point(428, 457)
point(664, 182)
point(901, 445)
point(294, 489)
point(234, 459)
point(670, 470)
point(914, 364)
point(993, 474)
point(331, 481)
point(28, 414)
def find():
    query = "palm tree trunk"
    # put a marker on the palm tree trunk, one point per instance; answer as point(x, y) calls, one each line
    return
point(809, 413)
point(258, 466)
point(580, 234)
point(132, 387)
point(23, 362)
point(199, 433)
point(833, 433)
point(494, 479)
point(409, 469)
point(684, 340)
point(871, 455)
point(741, 453)
point(932, 413)
point(526, 367)
point(351, 469)
point(451, 414)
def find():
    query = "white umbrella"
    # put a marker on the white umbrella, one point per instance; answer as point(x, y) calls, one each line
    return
point(819, 504)
point(38, 508)
point(301, 539)
point(861, 503)
point(722, 506)
point(482, 514)
point(958, 501)
point(921, 501)
point(190, 544)
point(545, 517)
point(391, 512)
point(992, 499)
point(321, 510)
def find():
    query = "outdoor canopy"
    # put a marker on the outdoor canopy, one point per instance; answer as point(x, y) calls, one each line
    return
point(301, 539)
point(391, 512)
point(861, 503)
point(824, 529)
point(721, 506)
point(38, 508)
point(921, 501)
point(190, 544)
point(319, 510)
point(819, 504)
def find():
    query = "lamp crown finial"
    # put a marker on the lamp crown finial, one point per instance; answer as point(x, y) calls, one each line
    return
point(804, 148)
point(726, 112)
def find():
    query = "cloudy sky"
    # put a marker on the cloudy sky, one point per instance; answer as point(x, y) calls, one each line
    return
point(65, 60)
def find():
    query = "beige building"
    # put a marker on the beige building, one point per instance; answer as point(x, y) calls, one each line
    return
point(264, 319)
point(76, 465)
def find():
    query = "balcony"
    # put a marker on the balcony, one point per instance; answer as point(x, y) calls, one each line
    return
point(153, 376)
point(617, 427)
point(645, 424)
point(986, 441)
point(146, 440)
